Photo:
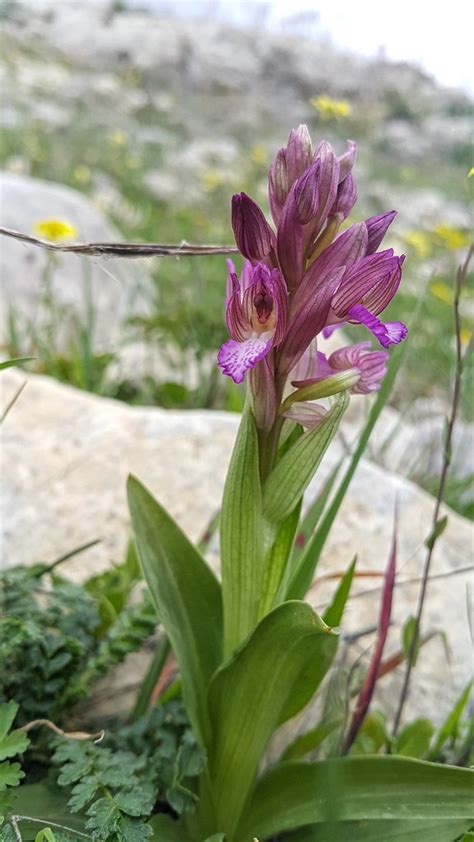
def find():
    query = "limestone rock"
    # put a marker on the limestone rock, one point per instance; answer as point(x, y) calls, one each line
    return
point(118, 287)
point(66, 456)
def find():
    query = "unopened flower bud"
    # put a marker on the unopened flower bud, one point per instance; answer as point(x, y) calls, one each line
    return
point(252, 233)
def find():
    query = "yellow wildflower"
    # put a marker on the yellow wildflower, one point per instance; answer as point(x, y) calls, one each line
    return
point(331, 109)
point(81, 174)
point(420, 242)
point(211, 179)
point(55, 230)
point(452, 238)
point(258, 154)
point(117, 138)
point(442, 291)
point(471, 172)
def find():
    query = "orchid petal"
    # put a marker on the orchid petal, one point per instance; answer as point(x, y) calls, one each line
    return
point(237, 322)
point(346, 249)
point(290, 242)
point(361, 278)
point(380, 296)
point(236, 358)
point(309, 415)
point(309, 316)
point(377, 227)
point(388, 333)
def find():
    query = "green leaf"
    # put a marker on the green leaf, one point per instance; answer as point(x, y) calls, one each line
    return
point(313, 515)
point(47, 805)
point(16, 361)
point(449, 727)
point(277, 558)
point(292, 474)
point(168, 830)
point(295, 794)
point(8, 711)
point(304, 571)
point(270, 678)
point(310, 741)
point(187, 596)
point(414, 739)
point(384, 831)
point(333, 614)
point(17, 741)
point(10, 774)
point(408, 632)
point(45, 835)
point(241, 539)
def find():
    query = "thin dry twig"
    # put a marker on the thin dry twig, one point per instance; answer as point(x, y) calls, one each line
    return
point(182, 249)
point(70, 735)
point(458, 372)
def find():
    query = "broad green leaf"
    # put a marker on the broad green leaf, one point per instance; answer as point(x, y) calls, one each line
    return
point(414, 739)
point(313, 515)
point(384, 831)
point(292, 474)
point(241, 537)
point(304, 571)
point(449, 727)
point(277, 559)
point(333, 614)
point(295, 794)
point(187, 596)
point(268, 679)
point(310, 741)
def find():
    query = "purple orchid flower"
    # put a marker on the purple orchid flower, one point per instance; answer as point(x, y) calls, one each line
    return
point(256, 317)
point(371, 366)
point(305, 278)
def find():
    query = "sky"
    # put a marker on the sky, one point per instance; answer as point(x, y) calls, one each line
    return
point(436, 36)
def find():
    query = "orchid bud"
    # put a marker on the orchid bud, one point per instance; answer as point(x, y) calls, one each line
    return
point(347, 160)
point(298, 153)
point(252, 233)
point(306, 195)
point(346, 197)
point(377, 227)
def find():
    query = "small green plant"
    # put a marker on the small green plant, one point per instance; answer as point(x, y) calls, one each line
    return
point(57, 637)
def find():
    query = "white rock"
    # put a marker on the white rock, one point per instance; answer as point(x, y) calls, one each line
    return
point(118, 287)
point(66, 456)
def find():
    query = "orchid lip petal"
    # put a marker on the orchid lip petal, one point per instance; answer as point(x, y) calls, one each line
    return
point(388, 333)
point(236, 358)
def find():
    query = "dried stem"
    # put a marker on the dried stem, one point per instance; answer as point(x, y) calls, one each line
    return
point(458, 372)
point(70, 735)
point(121, 249)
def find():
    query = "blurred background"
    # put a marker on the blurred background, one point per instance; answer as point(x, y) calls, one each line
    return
point(137, 120)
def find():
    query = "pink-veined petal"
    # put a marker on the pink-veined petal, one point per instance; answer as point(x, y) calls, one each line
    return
point(236, 358)
point(388, 333)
